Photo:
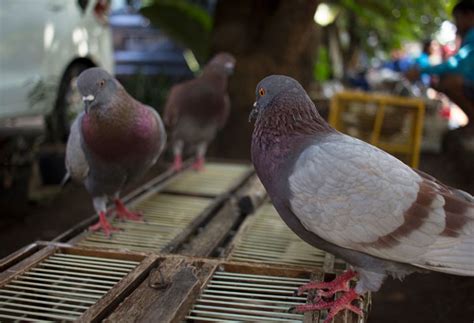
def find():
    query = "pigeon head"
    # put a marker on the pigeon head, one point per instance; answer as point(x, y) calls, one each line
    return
point(96, 87)
point(271, 89)
point(221, 63)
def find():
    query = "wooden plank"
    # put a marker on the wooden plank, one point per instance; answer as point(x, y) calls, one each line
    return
point(193, 227)
point(310, 317)
point(25, 264)
point(177, 299)
point(212, 235)
point(18, 256)
point(122, 289)
point(148, 293)
point(253, 196)
point(111, 254)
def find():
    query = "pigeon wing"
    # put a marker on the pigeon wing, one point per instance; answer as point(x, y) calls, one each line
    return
point(356, 196)
point(76, 162)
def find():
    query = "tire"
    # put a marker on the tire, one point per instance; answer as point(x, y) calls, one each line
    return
point(68, 104)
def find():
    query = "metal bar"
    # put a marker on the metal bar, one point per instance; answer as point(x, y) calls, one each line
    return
point(263, 314)
point(228, 273)
point(208, 319)
point(81, 266)
point(81, 269)
point(223, 292)
point(19, 318)
point(29, 300)
point(48, 309)
point(87, 261)
point(250, 279)
point(237, 283)
point(242, 317)
point(69, 278)
point(244, 304)
point(53, 291)
point(71, 273)
point(24, 277)
point(112, 260)
point(40, 314)
point(252, 300)
point(77, 300)
point(53, 287)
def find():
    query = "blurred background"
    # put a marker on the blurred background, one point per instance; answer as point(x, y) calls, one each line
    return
point(362, 48)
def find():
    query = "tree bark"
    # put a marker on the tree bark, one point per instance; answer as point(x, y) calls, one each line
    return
point(266, 37)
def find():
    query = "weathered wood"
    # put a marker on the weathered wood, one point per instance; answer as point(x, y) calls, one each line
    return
point(212, 235)
point(177, 299)
point(25, 264)
point(18, 256)
point(193, 227)
point(106, 304)
point(112, 254)
point(310, 317)
point(144, 297)
point(253, 196)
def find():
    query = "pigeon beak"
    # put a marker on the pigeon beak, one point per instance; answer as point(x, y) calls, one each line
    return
point(254, 113)
point(87, 101)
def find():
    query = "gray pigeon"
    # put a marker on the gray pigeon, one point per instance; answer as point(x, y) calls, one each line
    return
point(353, 200)
point(113, 142)
point(198, 108)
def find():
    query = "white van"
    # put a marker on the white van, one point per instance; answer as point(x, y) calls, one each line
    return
point(44, 46)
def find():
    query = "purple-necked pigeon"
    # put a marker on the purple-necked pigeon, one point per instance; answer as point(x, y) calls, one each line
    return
point(198, 108)
point(113, 142)
point(354, 200)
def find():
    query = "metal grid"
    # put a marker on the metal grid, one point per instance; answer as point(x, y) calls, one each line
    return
point(238, 297)
point(266, 238)
point(165, 216)
point(61, 287)
point(215, 179)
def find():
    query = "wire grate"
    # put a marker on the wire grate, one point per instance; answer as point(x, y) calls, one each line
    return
point(61, 287)
point(237, 297)
point(266, 238)
point(165, 216)
point(215, 179)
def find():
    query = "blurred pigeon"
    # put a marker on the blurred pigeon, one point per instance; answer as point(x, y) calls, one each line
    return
point(354, 200)
point(197, 108)
point(115, 141)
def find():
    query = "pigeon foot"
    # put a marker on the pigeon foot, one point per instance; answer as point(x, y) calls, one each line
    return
point(334, 307)
point(198, 164)
point(340, 283)
point(177, 163)
point(103, 224)
point(125, 214)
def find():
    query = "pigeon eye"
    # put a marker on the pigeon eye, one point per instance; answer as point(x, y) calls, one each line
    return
point(261, 92)
point(102, 83)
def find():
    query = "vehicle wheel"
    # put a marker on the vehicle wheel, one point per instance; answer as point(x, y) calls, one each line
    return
point(68, 104)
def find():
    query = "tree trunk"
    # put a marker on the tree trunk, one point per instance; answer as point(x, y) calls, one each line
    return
point(266, 37)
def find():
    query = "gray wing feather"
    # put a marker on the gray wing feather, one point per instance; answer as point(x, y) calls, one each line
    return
point(76, 161)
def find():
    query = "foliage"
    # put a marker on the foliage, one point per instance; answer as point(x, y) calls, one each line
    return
point(387, 24)
point(185, 22)
point(322, 66)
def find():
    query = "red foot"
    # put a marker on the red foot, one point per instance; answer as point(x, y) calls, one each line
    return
point(125, 214)
point(198, 164)
point(340, 283)
point(104, 225)
point(177, 163)
point(344, 302)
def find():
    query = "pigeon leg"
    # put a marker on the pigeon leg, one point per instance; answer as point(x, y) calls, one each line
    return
point(125, 214)
point(340, 283)
point(200, 160)
point(178, 159)
point(100, 207)
point(104, 225)
point(343, 302)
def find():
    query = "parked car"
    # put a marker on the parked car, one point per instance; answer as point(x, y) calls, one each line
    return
point(44, 46)
point(140, 48)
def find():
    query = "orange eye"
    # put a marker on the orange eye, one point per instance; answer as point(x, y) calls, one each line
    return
point(261, 92)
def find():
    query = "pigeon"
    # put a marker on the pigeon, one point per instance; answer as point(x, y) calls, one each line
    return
point(196, 109)
point(114, 141)
point(353, 200)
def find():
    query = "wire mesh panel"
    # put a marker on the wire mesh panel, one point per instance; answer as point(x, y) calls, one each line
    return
point(266, 238)
point(165, 216)
point(61, 287)
point(215, 179)
point(236, 297)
